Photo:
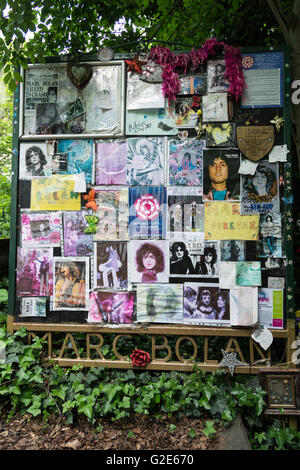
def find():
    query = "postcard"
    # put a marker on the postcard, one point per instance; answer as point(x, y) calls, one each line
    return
point(33, 307)
point(270, 307)
point(110, 165)
point(40, 229)
point(71, 284)
point(185, 162)
point(186, 108)
point(224, 222)
point(233, 250)
point(34, 272)
point(54, 193)
point(159, 303)
point(145, 161)
point(221, 180)
point(111, 307)
point(216, 81)
point(110, 265)
point(34, 161)
point(215, 107)
point(270, 243)
point(185, 215)
point(248, 273)
point(75, 241)
point(59, 163)
point(112, 211)
point(205, 304)
point(193, 85)
point(147, 212)
point(148, 261)
point(260, 192)
point(80, 156)
point(243, 306)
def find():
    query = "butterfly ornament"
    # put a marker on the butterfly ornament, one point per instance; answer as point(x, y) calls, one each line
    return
point(92, 221)
point(90, 197)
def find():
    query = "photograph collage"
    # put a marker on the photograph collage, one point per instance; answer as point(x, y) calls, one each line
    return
point(152, 223)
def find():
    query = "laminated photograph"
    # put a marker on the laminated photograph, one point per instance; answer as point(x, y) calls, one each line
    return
point(243, 306)
point(145, 161)
point(34, 161)
point(159, 121)
point(54, 194)
point(221, 135)
point(111, 307)
point(143, 95)
point(248, 273)
point(270, 307)
point(224, 222)
point(185, 162)
point(270, 243)
point(148, 261)
point(59, 163)
point(71, 284)
point(40, 230)
point(110, 265)
point(34, 272)
point(185, 215)
point(75, 241)
point(103, 100)
point(186, 108)
point(33, 307)
point(276, 282)
point(147, 212)
point(215, 107)
point(194, 258)
point(232, 250)
point(260, 192)
point(206, 304)
point(159, 303)
point(80, 156)
point(112, 213)
point(221, 180)
point(110, 162)
point(216, 81)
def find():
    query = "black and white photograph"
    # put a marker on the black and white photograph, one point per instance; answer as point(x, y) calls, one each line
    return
point(48, 118)
point(194, 258)
point(206, 304)
point(59, 163)
point(216, 73)
point(185, 215)
point(232, 250)
point(34, 161)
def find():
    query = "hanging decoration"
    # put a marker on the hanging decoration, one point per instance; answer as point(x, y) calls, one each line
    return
point(91, 204)
point(79, 74)
point(151, 73)
point(278, 122)
point(135, 65)
point(170, 62)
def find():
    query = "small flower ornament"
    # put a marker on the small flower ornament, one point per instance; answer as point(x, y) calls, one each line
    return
point(140, 358)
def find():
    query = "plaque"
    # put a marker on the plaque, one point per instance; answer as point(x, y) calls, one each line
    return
point(255, 142)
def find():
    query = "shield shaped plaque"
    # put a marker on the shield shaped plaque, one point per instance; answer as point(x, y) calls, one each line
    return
point(255, 142)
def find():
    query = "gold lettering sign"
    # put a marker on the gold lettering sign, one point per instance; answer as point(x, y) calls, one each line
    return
point(255, 142)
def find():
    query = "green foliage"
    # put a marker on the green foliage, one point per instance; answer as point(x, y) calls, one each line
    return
point(5, 159)
point(36, 388)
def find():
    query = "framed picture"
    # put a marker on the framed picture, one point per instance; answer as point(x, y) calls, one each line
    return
point(71, 284)
point(54, 105)
point(283, 390)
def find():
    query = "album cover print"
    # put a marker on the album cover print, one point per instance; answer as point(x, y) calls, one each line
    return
point(71, 283)
point(111, 307)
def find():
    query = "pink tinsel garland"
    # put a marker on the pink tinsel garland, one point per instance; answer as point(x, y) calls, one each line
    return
point(169, 62)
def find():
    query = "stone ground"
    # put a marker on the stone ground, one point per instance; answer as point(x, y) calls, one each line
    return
point(138, 433)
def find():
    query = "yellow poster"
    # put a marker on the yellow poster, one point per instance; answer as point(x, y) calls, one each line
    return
point(55, 193)
point(223, 221)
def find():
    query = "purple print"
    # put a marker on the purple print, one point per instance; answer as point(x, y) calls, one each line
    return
point(34, 272)
point(76, 242)
point(111, 162)
point(40, 230)
point(147, 261)
point(111, 307)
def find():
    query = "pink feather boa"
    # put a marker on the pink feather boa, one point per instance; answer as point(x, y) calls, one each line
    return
point(170, 61)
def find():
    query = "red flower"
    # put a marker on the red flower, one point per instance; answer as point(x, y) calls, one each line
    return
point(140, 358)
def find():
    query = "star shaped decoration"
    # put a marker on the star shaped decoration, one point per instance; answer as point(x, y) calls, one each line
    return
point(135, 65)
point(278, 122)
point(200, 129)
point(230, 360)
